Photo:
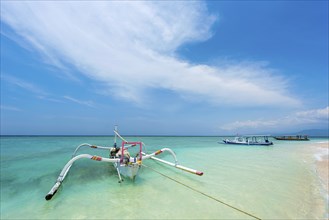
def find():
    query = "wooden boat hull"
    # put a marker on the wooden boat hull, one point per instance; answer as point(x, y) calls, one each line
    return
point(291, 139)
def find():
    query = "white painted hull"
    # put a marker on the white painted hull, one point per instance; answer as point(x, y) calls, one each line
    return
point(246, 143)
point(128, 170)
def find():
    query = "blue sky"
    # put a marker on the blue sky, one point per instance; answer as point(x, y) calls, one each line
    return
point(167, 68)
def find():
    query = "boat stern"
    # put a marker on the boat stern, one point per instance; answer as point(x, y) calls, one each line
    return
point(129, 170)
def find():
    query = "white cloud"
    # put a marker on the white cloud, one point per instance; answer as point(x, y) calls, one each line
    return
point(314, 115)
point(302, 118)
point(130, 47)
point(81, 102)
point(28, 86)
point(250, 124)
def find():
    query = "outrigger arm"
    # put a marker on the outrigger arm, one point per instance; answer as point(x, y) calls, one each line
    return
point(91, 146)
point(67, 167)
point(176, 165)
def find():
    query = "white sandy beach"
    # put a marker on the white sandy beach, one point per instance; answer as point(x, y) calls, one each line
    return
point(322, 165)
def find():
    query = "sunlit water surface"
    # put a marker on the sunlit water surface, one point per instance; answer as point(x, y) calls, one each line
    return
point(275, 182)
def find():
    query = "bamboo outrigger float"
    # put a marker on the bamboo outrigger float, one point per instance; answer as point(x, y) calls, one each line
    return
point(120, 157)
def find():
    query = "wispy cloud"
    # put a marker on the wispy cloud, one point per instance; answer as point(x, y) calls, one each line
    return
point(9, 108)
point(47, 98)
point(130, 47)
point(250, 124)
point(305, 118)
point(31, 88)
point(81, 102)
point(28, 86)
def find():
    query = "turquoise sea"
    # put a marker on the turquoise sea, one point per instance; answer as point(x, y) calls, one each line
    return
point(275, 182)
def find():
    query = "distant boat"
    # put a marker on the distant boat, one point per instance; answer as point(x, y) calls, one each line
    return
point(292, 138)
point(250, 140)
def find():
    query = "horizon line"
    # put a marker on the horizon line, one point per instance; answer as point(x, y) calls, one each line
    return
point(136, 135)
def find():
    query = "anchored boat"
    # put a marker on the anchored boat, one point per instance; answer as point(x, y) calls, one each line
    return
point(292, 138)
point(125, 164)
point(250, 140)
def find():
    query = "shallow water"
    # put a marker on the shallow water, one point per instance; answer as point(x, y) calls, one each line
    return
point(276, 182)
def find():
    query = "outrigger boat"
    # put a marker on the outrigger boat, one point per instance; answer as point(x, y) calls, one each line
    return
point(250, 140)
point(292, 138)
point(125, 164)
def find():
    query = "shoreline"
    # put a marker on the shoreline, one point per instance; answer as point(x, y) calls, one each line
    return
point(321, 168)
point(322, 163)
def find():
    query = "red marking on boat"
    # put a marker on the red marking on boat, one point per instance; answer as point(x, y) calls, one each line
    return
point(158, 152)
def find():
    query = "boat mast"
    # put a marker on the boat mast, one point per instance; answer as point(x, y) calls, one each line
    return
point(115, 135)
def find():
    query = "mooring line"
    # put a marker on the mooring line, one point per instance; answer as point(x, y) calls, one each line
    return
point(198, 191)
